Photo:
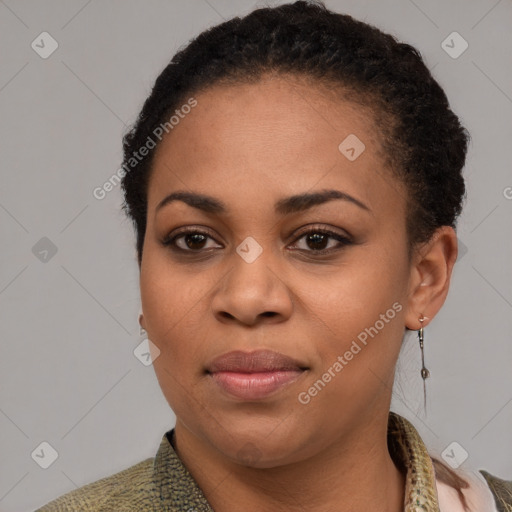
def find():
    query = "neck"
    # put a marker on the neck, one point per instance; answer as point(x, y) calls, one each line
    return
point(355, 473)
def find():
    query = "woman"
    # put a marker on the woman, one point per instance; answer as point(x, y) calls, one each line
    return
point(294, 180)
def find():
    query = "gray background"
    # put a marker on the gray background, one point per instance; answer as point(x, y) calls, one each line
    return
point(68, 375)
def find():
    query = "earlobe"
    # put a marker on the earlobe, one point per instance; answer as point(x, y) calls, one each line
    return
point(431, 272)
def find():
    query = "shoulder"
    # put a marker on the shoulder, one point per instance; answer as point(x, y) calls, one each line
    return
point(124, 491)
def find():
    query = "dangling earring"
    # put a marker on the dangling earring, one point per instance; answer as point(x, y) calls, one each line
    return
point(424, 372)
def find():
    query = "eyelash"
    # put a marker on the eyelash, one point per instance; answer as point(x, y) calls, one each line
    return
point(343, 241)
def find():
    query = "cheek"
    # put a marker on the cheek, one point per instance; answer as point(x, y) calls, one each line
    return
point(354, 296)
point(359, 310)
point(169, 292)
point(175, 304)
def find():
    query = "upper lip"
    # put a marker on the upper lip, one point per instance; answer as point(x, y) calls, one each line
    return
point(252, 362)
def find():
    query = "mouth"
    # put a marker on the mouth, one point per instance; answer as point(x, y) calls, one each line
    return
point(254, 375)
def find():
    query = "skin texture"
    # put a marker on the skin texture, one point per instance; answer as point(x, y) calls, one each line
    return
point(250, 146)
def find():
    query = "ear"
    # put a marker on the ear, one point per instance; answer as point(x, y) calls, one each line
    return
point(141, 321)
point(429, 281)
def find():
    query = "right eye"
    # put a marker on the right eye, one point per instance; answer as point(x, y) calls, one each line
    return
point(188, 241)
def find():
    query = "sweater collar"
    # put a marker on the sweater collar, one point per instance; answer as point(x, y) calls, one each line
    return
point(176, 488)
point(410, 453)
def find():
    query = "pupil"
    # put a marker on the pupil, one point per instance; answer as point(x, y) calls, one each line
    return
point(317, 238)
point(196, 238)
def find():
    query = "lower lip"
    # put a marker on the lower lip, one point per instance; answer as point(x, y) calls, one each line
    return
point(255, 386)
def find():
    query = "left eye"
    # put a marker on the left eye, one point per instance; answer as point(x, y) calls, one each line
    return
point(318, 240)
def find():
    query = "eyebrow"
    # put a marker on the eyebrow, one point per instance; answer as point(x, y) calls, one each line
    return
point(285, 206)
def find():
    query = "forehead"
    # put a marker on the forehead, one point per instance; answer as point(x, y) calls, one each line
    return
point(274, 108)
point(286, 132)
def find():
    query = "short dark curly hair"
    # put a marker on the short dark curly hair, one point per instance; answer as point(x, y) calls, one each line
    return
point(422, 139)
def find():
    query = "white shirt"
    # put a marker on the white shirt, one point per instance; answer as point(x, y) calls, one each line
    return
point(478, 495)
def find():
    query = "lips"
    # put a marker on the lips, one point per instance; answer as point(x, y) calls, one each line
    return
point(254, 375)
point(253, 362)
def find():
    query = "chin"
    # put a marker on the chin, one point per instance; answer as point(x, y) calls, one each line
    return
point(259, 444)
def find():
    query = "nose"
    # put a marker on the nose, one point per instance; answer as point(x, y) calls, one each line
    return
point(253, 292)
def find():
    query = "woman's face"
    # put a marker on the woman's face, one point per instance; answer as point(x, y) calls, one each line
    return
point(262, 276)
